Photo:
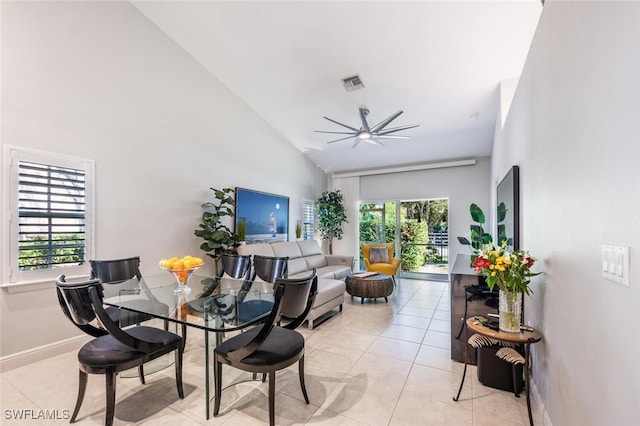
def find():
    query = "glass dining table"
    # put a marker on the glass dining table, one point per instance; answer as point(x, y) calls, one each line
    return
point(214, 305)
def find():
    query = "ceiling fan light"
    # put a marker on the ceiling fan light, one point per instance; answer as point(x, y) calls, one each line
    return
point(364, 135)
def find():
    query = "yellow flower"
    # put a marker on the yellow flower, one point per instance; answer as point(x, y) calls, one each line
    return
point(493, 274)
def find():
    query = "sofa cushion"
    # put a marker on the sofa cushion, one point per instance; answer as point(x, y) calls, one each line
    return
point(262, 249)
point(309, 247)
point(298, 266)
point(329, 289)
point(286, 249)
point(316, 261)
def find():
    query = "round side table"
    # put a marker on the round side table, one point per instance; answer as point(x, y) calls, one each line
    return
point(372, 287)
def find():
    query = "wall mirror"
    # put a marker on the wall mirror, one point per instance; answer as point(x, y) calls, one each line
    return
point(507, 209)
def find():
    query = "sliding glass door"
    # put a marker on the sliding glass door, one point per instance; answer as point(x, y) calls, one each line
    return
point(418, 229)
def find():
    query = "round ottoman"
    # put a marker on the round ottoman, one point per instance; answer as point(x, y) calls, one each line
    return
point(369, 286)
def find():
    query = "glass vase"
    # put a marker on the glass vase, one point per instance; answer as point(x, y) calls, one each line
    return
point(510, 310)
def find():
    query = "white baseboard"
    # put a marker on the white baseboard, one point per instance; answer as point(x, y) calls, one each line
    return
point(537, 407)
point(20, 359)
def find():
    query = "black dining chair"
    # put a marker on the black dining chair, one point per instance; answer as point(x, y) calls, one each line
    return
point(269, 348)
point(113, 349)
point(116, 271)
point(231, 265)
point(267, 270)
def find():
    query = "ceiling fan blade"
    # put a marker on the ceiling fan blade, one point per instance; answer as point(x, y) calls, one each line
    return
point(343, 125)
point(357, 141)
point(335, 133)
point(396, 129)
point(374, 141)
point(385, 122)
point(392, 137)
point(341, 139)
point(363, 118)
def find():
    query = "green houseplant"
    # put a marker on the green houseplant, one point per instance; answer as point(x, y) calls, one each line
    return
point(298, 230)
point(331, 215)
point(478, 237)
point(242, 229)
point(218, 237)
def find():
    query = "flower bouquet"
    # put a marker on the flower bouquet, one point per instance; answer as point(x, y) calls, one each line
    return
point(511, 272)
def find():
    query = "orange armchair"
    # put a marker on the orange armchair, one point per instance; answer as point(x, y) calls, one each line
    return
point(389, 268)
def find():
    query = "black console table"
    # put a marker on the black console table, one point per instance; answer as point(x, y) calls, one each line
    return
point(466, 294)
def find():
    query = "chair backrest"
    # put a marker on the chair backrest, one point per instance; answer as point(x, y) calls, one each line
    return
point(268, 268)
point(82, 303)
point(366, 249)
point(235, 266)
point(288, 291)
point(117, 270)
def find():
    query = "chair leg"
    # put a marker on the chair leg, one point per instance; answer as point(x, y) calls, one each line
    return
point(184, 335)
point(110, 378)
point(179, 372)
point(141, 373)
point(272, 398)
point(301, 374)
point(217, 384)
point(82, 386)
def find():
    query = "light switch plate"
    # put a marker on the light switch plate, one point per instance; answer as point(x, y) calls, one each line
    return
point(615, 264)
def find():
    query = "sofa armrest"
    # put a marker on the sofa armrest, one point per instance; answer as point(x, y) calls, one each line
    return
point(335, 259)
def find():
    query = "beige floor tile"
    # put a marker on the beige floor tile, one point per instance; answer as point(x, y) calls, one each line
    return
point(333, 357)
point(372, 364)
point(432, 356)
point(442, 315)
point(381, 371)
point(440, 325)
point(418, 312)
point(413, 410)
point(436, 384)
point(411, 321)
point(394, 348)
point(358, 399)
point(437, 338)
point(328, 418)
point(401, 332)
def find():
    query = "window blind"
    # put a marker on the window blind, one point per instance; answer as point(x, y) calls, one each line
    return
point(51, 213)
point(308, 219)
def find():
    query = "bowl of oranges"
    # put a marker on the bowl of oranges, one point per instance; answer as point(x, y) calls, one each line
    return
point(182, 269)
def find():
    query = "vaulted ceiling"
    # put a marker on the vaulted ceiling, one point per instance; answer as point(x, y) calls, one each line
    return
point(441, 62)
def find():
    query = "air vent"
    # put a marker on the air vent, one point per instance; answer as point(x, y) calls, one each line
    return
point(352, 83)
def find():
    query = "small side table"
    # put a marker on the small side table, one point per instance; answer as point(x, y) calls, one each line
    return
point(525, 338)
point(373, 286)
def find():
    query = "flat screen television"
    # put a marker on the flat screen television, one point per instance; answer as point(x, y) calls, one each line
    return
point(266, 216)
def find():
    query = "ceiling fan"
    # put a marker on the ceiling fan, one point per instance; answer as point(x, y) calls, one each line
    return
point(371, 134)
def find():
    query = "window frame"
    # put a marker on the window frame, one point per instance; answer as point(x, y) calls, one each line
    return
point(308, 232)
point(13, 155)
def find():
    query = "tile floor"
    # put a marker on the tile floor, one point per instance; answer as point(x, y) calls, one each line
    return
point(373, 364)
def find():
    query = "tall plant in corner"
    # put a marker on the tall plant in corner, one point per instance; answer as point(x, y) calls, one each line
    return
point(218, 237)
point(331, 215)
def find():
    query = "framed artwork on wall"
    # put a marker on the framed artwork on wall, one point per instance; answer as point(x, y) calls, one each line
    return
point(264, 216)
point(508, 209)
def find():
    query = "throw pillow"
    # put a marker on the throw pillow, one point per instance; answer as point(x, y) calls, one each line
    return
point(379, 255)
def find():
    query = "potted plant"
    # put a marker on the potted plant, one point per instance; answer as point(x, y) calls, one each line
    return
point(218, 237)
point(242, 230)
point(298, 230)
point(331, 215)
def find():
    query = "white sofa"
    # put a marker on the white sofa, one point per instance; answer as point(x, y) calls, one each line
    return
point(303, 256)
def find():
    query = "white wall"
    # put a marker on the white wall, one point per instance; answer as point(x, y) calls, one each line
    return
point(462, 185)
point(98, 80)
point(574, 130)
